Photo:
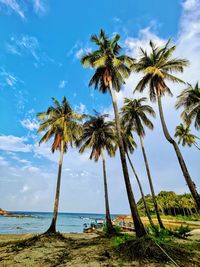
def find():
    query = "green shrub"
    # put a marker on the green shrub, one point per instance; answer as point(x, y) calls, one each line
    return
point(121, 240)
point(117, 228)
point(182, 230)
point(162, 236)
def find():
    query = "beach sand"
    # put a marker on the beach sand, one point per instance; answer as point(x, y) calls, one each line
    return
point(87, 250)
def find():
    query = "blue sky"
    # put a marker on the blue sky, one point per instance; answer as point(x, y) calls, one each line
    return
point(40, 46)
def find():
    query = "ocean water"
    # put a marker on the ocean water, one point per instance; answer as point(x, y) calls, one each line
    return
point(40, 221)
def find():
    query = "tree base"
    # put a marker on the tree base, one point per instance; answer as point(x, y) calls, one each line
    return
point(51, 230)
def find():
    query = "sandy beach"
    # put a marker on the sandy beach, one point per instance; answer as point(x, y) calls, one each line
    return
point(73, 249)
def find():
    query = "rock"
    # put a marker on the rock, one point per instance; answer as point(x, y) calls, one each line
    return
point(4, 212)
point(194, 234)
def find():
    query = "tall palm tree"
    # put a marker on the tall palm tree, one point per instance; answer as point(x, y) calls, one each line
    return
point(189, 99)
point(129, 147)
point(99, 135)
point(134, 115)
point(111, 70)
point(157, 67)
point(185, 136)
point(59, 122)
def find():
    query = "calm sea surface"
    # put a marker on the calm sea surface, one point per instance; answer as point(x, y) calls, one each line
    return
point(40, 221)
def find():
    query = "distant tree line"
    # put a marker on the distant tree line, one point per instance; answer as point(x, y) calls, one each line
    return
point(169, 203)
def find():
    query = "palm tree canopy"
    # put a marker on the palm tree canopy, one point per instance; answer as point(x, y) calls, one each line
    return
point(98, 134)
point(134, 115)
point(128, 139)
point(110, 65)
point(60, 122)
point(189, 99)
point(185, 136)
point(158, 66)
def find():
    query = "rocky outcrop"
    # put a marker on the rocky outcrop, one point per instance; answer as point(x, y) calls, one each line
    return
point(4, 212)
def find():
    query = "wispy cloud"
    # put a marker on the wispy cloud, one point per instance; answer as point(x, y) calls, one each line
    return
point(8, 79)
point(81, 108)
point(78, 50)
point(62, 84)
point(14, 6)
point(30, 124)
point(14, 143)
point(26, 45)
point(39, 6)
point(19, 7)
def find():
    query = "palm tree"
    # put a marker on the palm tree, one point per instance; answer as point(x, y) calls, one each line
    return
point(99, 135)
point(59, 122)
point(134, 115)
point(189, 99)
point(129, 147)
point(185, 136)
point(111, 69)
point(157, 67)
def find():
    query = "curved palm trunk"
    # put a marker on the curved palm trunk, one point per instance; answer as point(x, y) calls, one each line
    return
point(184, 169)
point(141, 191)
point(151, 184)
point(110, 228)
point(52, 228)
point(139, 227)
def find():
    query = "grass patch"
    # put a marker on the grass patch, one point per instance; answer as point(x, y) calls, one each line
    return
point(146, 249)
point(179, 217)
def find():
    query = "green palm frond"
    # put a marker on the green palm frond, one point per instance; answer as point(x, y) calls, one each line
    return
point(60, 122)
point(107, 62)
point(98, 134)
point(189, 100)
point(158, 66)
point(184, 135)
point(134, 115)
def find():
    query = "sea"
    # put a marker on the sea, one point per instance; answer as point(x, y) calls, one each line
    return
point(38, 222)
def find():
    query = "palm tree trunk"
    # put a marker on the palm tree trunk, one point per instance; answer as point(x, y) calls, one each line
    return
point(174, 211)
point(184, 169)
point(141, 191)
point(184, 212)
point(151, 184)
point(139, 227)
point(110, 228)
point(190, 210)
point(52, 228)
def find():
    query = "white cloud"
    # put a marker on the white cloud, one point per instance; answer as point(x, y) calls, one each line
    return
point(14, 144)
point(25, 188)
point(13, 5)
point(8, 79)
point(39, 6)
point(78, 50)
point(3, 161)
point(117, 20)
point(81, 52)
point(28, 46)
point(18, 159)
point(190, 4)
point(81, 108)
point(62, 84)
point(30, 124)
point(24, 45)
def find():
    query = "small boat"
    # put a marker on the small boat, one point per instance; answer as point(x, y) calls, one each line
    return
point(88, 228)
point(91, 227)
